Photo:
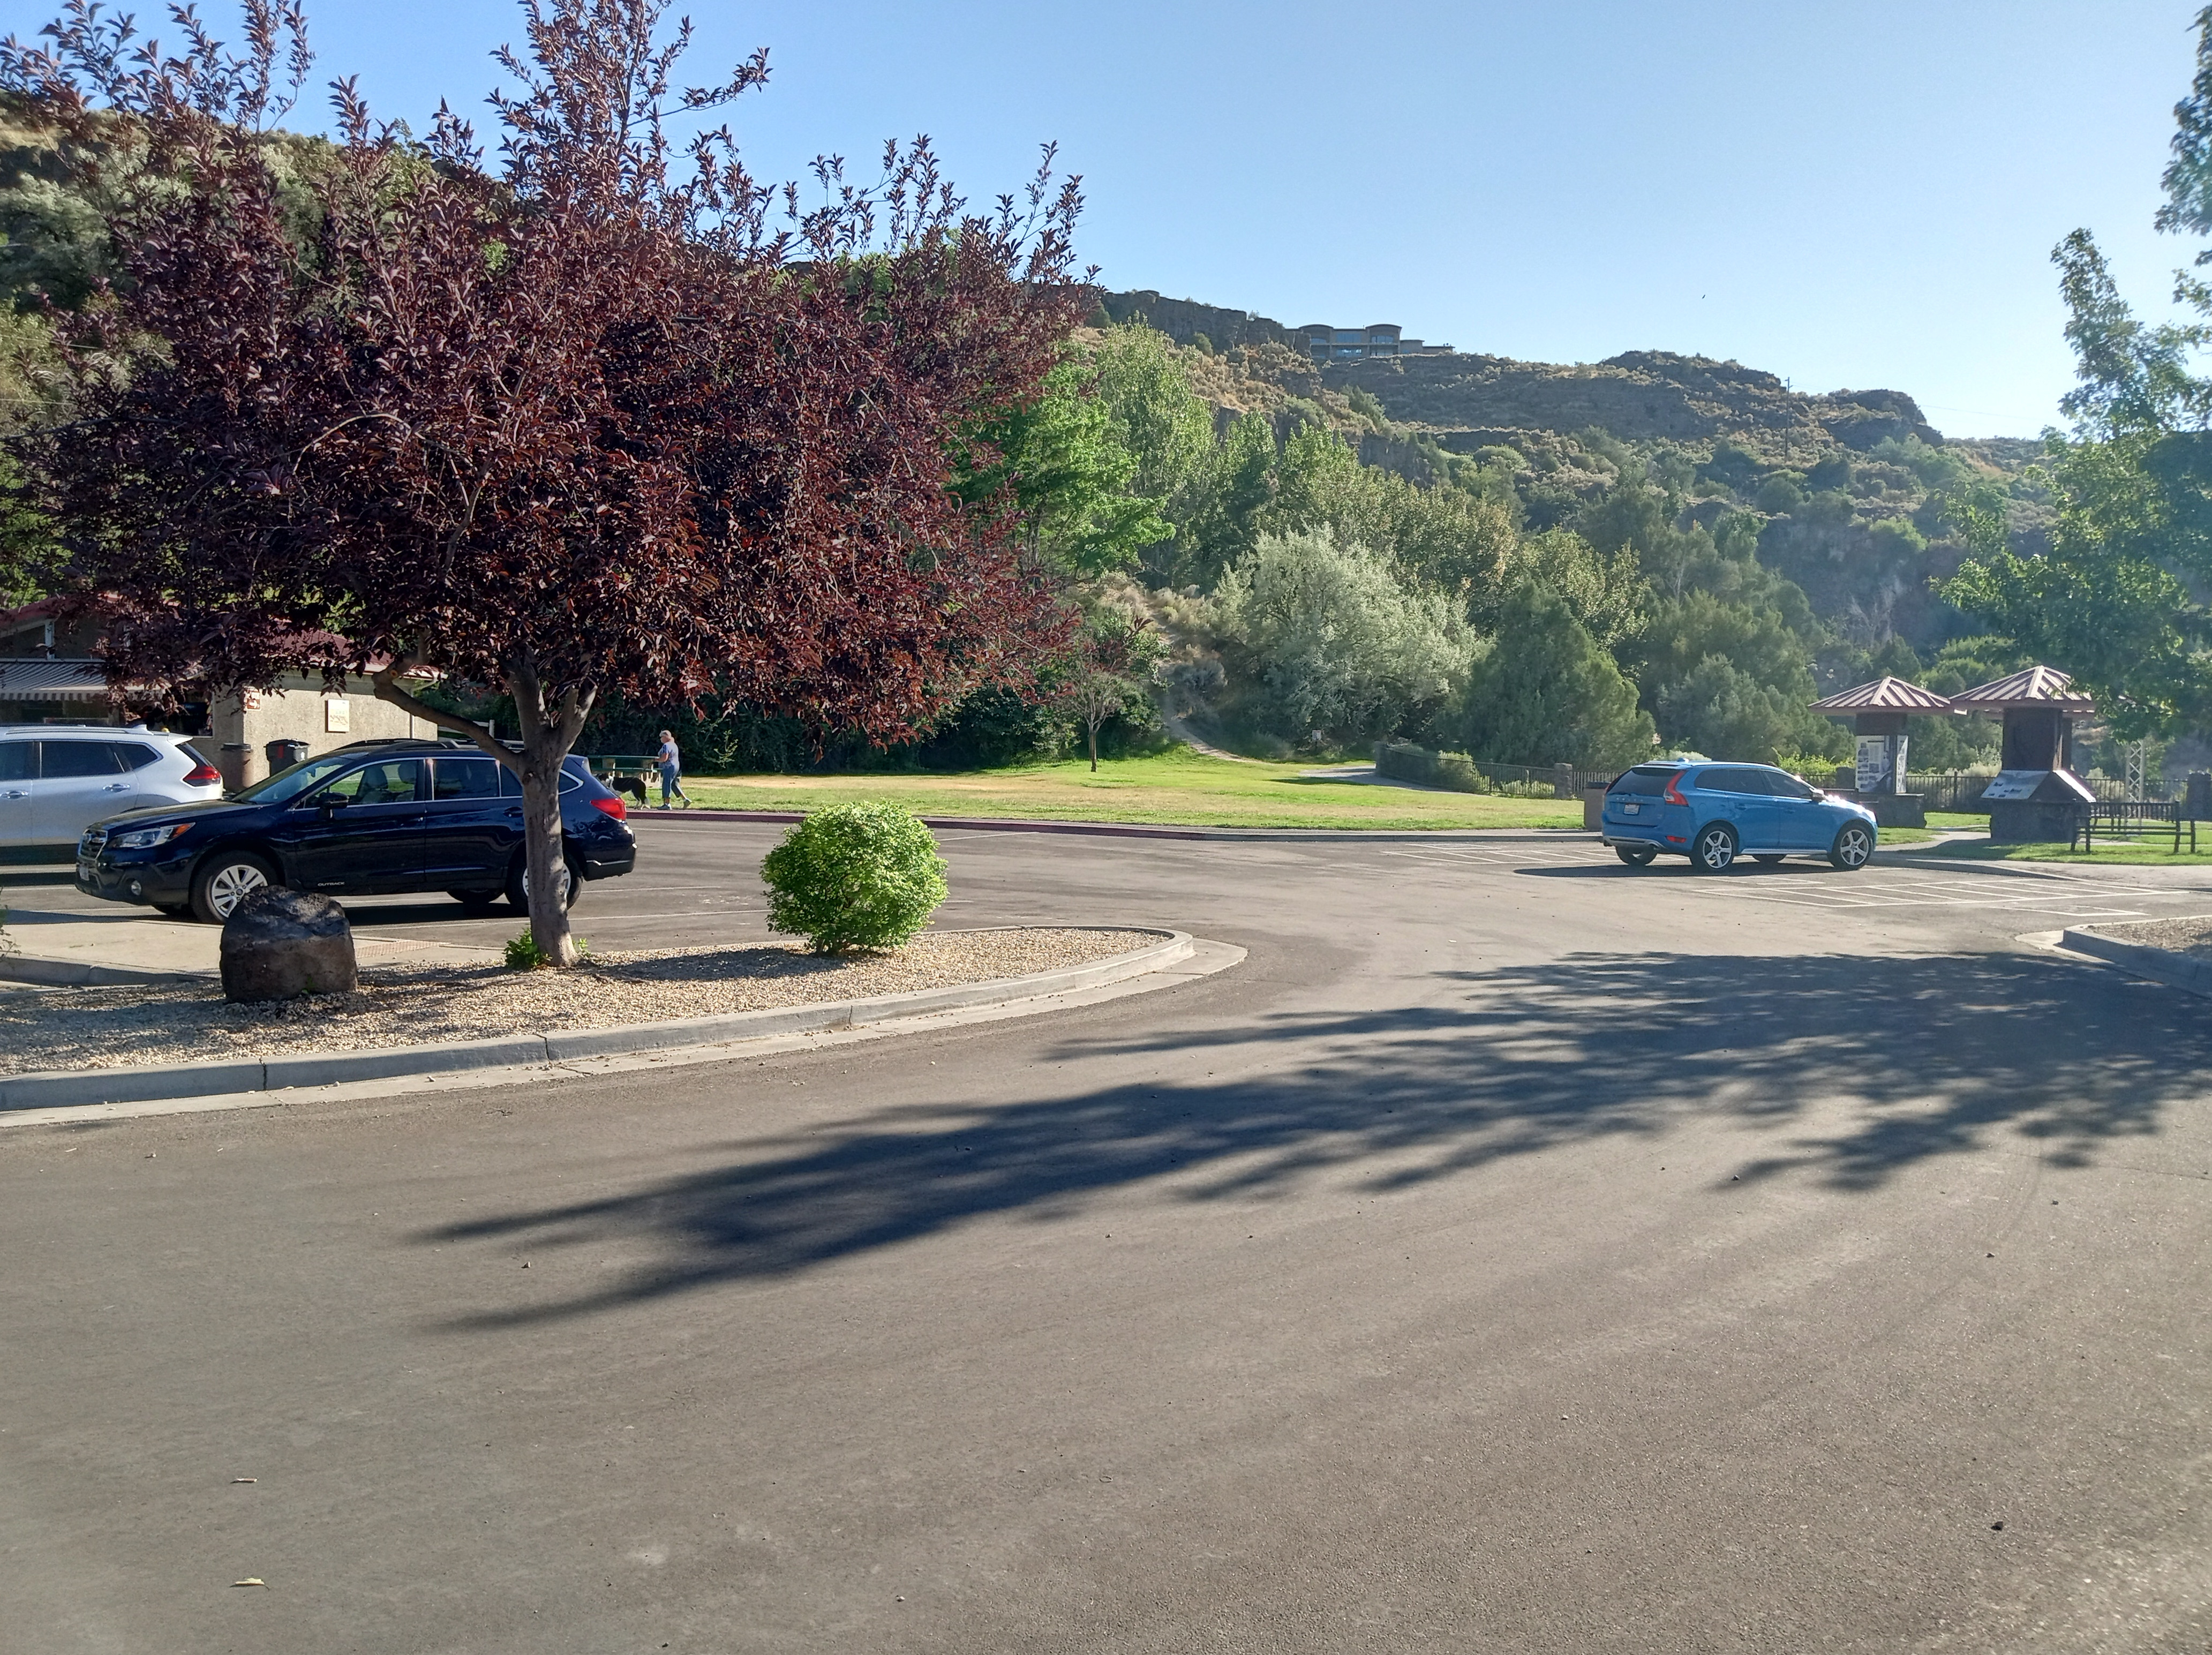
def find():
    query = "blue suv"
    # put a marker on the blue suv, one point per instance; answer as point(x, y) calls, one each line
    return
point(1714, 813)
point(374, 817)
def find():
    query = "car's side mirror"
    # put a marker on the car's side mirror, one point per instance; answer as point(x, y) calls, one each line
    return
point(330, 801)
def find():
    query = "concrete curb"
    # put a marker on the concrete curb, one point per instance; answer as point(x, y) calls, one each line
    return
point(1150, 830)
point(82, 973)
point(1135, 830)
point(2181, 972)
point(56, 1089)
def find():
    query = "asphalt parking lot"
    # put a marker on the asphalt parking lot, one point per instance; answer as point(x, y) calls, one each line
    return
point(1517, 1251)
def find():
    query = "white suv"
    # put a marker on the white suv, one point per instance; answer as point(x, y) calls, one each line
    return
point(57, 780)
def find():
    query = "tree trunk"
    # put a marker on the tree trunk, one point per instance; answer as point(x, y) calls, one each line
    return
point(549, 732)
point(1092, 725)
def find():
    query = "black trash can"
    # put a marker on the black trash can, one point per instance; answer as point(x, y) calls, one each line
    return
point(282, 755)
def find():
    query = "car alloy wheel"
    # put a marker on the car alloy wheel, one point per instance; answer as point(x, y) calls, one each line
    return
point(518, 886)
point(227, 883)
point(1853, 847)
point(1715, 850)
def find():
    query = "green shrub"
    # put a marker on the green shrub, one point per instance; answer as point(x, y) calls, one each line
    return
point(855, 876)
point(1405, 762)
point(523, 953)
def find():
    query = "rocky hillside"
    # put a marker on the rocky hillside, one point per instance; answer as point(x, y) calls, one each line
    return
point(1850, 492)
point(1471, 403)
point(1468, 403)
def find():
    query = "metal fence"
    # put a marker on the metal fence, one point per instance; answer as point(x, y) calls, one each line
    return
point(1961, 791)
point(1958, 792)
point(1955, 792)
point(1461, 774)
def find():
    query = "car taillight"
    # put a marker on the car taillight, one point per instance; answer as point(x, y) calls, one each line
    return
point(203, 775)
point(614, 807)
point(1672, 796)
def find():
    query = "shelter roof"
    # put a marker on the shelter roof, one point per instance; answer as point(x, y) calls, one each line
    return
point(1884, 695)
point(2035, 686)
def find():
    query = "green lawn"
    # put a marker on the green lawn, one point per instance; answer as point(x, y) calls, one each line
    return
point(2152, 854)
point(1181, 789)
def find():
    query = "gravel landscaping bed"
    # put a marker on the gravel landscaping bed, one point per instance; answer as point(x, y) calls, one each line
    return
point(2188, 936)
point(419, 1005)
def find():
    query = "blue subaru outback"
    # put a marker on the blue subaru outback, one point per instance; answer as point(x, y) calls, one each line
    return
point(1714, 813)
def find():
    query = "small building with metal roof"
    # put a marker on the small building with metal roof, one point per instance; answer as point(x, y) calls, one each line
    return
point(1878, 711)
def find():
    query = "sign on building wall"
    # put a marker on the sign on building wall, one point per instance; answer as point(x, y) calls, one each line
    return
point(338, 714)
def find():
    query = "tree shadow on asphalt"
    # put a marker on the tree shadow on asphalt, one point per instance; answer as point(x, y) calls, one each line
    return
point(1856, 1068)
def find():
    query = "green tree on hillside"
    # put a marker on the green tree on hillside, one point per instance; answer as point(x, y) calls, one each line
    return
point(1071, 476)
point(1165, 427)
point(1608, 596)
point(1546, 693)
point(1455, 539)
point(1222, 508)
point(1337, 641)
point(1719, 710)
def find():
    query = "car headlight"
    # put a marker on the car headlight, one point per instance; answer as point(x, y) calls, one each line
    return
point(147, 839)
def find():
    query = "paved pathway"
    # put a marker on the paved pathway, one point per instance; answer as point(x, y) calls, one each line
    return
point(1516, 1252)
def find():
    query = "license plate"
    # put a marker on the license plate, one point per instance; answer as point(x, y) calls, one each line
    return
point(1630, 810)
point(84, 871)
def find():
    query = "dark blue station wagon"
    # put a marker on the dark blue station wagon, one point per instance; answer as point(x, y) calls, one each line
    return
point(370, 819)
point(1714, 813)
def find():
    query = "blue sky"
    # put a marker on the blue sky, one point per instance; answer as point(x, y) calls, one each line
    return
point(1849, 195)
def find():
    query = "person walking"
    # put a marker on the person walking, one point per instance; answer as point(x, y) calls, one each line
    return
point(671, 770)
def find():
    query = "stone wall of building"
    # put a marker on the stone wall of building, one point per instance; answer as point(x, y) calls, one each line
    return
point(241, 726)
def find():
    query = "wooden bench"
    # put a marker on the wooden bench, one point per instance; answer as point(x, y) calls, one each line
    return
point(629, 773)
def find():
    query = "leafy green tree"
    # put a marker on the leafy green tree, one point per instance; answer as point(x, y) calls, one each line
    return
point(1455, 539)
point(1164, 426)
point(1327, 636)
point(1546, 692)
point(2116, 601)
point(1063, 460)
point(1222, 508)
point(1717, 709)
point(1608, 596)
point(2112, 601)
point(28, 550)
point(1677, 653)
point(1114, 655)
point(1683, 632)
point(1783, 492)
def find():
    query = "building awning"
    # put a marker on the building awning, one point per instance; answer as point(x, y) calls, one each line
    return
point(37, 678)
point(1884, 695)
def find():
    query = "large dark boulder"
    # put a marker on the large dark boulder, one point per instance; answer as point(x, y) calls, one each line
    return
point(279, 945)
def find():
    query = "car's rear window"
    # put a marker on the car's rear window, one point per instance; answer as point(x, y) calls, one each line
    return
point(1646, 779)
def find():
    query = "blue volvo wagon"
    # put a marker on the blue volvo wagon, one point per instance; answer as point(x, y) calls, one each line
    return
point(1714, 813)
